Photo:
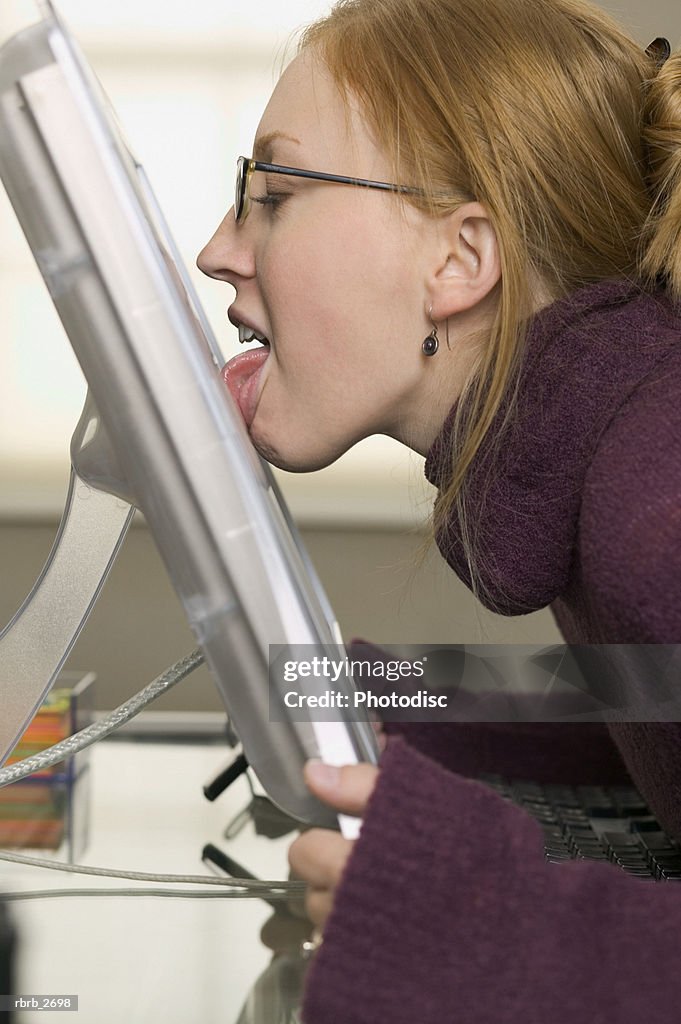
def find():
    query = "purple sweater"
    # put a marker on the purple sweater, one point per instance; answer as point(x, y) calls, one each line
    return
point(447, 910)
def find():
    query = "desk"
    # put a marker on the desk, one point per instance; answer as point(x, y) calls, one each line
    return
point(147, 960)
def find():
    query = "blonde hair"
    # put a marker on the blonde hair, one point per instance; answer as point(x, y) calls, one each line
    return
point(549, 115)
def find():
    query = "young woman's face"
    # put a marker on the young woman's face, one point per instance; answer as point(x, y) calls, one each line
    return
point(333, 276)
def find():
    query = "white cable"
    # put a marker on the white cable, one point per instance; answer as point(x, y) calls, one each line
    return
point(86, 737)
point(258, 887)
point(197, 894)
point(233, 887)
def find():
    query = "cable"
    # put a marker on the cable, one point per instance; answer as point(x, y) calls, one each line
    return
point(232, 887)
point(40, 894)
point(86, 737)
point(259, 888)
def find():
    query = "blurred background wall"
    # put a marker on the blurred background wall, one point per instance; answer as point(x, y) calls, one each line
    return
point(189, 81)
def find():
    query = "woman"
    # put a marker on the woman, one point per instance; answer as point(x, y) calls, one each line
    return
point(501, 296)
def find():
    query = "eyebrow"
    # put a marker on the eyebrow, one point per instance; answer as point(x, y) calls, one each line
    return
point(262, 150)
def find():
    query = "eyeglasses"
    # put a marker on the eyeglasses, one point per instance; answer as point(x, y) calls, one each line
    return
point(246, 167)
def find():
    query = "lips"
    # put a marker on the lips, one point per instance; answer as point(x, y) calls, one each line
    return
point(243, 376)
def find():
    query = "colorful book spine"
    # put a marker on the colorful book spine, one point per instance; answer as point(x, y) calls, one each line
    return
point(32, 811)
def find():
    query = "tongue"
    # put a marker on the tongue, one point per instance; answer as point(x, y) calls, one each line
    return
point(242, 377)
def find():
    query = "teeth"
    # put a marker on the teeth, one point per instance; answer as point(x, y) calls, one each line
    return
point(248, 334)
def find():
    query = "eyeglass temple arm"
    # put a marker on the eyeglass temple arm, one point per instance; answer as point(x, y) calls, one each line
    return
point(340, 179)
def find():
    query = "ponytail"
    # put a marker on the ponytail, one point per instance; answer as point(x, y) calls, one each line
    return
point(661, 260)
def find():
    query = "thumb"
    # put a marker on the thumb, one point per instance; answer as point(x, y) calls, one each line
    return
point(347, 789)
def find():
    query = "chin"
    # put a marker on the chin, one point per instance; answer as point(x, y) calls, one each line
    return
point(305, 462)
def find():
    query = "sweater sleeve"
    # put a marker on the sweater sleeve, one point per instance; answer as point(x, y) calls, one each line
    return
point(447, 911)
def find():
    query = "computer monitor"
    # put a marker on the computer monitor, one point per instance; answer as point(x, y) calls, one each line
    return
point(170, 440)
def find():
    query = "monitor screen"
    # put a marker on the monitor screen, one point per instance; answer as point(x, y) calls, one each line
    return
point(153, 369)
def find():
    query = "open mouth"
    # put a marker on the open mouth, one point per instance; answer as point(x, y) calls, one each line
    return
point(247, 334)
point(244, 375)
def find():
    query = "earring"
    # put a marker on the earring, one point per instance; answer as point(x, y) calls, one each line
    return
point(431, 344)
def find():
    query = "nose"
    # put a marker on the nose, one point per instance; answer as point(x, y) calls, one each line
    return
point(228, 255)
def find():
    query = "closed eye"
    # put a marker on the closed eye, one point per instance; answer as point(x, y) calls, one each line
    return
point(271, 199)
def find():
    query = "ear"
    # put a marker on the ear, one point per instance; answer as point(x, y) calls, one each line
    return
point(468, 261)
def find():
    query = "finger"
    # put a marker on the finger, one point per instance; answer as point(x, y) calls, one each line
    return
point(319, 857)
point(347, 789)
point(319, 904)
point(285, 934)
point(296, 907)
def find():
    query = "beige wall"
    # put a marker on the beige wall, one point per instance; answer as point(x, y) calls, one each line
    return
point(646, 21)
point(374, 579)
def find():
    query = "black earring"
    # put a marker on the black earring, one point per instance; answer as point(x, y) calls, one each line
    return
point(431, 344)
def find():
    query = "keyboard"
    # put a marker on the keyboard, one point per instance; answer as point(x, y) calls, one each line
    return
point(600, 823)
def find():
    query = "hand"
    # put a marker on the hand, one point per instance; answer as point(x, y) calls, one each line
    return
point(319, 856)
point(284, 932)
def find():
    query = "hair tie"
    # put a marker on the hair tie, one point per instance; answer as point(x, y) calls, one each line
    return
point(660, 50)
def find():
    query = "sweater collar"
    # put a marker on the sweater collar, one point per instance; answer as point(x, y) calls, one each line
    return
point(583, 356)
